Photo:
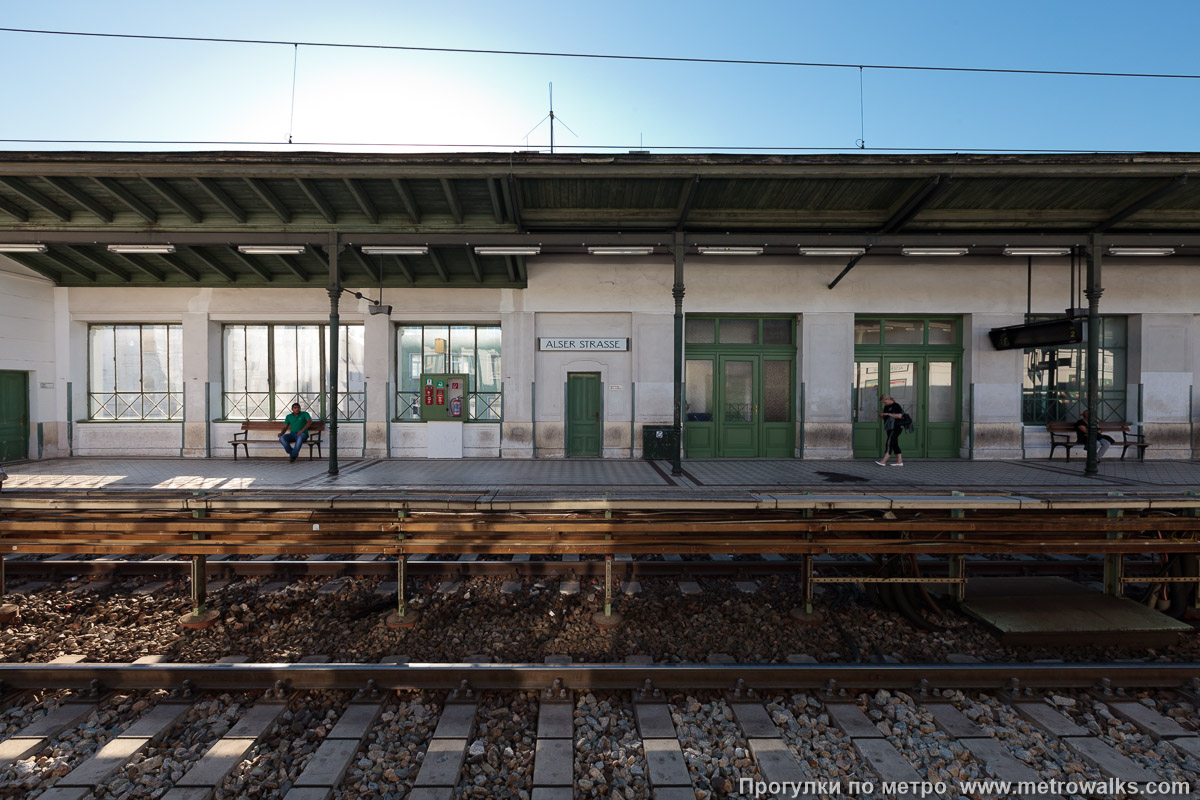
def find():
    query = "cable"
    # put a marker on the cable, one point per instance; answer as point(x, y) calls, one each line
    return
point(674, 59)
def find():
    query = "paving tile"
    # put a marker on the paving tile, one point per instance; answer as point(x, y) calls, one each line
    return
point(355, 721)
point(690, 588)
point(430, 793)
point(778, 763)
point(217, 762)
point(558, 793)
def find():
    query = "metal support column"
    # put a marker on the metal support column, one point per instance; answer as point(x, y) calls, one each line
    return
point(401, 589)
point(806, 565)
point(335, 292)
point(1093, 291)
point(199, 584)
point(677, 293)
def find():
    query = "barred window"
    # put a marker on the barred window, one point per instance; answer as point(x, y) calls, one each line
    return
point(135, 372)
point(269, 367)
point(470, 349)
point(1055, 384)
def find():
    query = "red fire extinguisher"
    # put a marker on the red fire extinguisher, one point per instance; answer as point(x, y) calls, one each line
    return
point(456, 406)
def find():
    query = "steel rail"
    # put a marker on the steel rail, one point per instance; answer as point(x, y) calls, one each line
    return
point(595, 676)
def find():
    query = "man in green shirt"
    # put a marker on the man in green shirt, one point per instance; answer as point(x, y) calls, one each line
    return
point(295, 431)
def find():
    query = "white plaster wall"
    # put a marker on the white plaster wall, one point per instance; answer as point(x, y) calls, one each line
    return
point(128, 438)
point(27, 345)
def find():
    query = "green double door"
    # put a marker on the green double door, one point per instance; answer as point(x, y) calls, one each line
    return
point(739, 406)
point(925, 386)
point(14, 415)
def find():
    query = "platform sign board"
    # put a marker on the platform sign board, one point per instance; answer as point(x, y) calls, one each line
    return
point(443, 397)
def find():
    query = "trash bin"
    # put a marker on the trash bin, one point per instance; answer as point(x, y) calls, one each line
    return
point(658, 441)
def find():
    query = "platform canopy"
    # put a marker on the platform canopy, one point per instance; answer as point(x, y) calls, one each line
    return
point(206, 208)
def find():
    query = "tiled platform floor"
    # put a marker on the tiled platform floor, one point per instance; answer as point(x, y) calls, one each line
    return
point(595, 476)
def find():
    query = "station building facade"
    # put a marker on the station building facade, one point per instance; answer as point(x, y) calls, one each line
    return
point(570, 352)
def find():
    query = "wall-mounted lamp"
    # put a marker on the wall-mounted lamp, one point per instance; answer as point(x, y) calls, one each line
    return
point(1037, 251)
point(730, 251)
point(388, 250)
point(1141, 251)
point(620, 251)
point(508, 251)
point(934, 251)
point(150, 249)
point(23, 248)
point(271, 249)
point(839, 252)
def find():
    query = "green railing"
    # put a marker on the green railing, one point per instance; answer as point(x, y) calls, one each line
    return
point(135, 406)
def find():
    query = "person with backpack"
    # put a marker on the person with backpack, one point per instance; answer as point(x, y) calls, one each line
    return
point(892, 415)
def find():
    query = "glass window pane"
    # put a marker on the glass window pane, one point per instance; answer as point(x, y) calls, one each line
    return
point(698, 389)
point(941, 392)
point(777, 391)
point(866, 331)
point(308, 358)
point(154, 358)
point(739, 391)
point(487, 340)
point(409, 353)
point(700, 331)
point(257, 359)
point(1112, 331)
point(866, 391)
point(739, 331)
point(129, 358)
point(943, 331)
point(175, 357)
point(350, 358)
point(103, 372)
point(777, 331)
point(902, 385)
point(903, 331)
point(437, 347)
point(286, 376)
point(462, 353)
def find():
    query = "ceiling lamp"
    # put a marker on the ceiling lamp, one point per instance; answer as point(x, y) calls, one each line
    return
point(730, 251)
point(392, 250)
point(509, 251)
point(841, 252)
point(1037, 251)
point(1141, 251)
point(620, 251)
point(151, 249)
point(271, 249)
point(23, 248)
point(934, 251)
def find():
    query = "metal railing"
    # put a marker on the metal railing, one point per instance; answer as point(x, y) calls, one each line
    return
point(481, 406)
point(135, 406)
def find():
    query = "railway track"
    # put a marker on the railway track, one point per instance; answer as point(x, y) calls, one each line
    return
point(549, 731)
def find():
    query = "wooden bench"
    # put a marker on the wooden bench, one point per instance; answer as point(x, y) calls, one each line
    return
point(1062, 434)
point(266, 432)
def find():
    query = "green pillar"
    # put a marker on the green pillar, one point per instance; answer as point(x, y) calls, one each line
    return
point(677, 293)
point(335, 293)
point(1093, 290)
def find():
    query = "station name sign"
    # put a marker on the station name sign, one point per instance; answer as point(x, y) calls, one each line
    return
point(583, 344)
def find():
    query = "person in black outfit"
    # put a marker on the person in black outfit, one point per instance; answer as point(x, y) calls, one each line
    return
point(1102, 442)
point(891, 414)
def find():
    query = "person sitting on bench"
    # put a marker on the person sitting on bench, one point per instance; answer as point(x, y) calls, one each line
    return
point(1103, 442)
point(295, 431)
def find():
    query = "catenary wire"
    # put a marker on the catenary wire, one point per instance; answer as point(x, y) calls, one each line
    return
point(613, 56)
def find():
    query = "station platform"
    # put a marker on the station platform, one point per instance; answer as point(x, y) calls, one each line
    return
point(583, 478)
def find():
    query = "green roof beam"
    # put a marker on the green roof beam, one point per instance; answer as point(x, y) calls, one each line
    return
point(313, 192)
point(140, 265)
point(14, 210)
point(176, 263)
point(916, 203)
point(213, 189)
point(294, 268)
point(1153, 196)
point(511, 266)
point(116, 272)
point(363, 199)
point(67, 264)
point(476, 267)
point(212, 263)
point(452, 199)
point(172, 196)
point(512, 195)
point(497, 203)
point(405, 270)
point(260, 188)
point(79, 196)
point(367, 265)
point(37, 198)
point(686, 198)
point(438, 265)
point(132, 201)
point(522, 269)
point(30, 263)
point(408, 199)
point(251, 264)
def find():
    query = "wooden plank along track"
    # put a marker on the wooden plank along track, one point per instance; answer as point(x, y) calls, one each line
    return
point(286, 532)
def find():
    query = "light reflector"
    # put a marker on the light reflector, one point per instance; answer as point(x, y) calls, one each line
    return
point(508, 251)
point(390, 250)
point(34, 247)
point(841, 252)
point(1037, 251)
point(730, 251)
point(153, 249)
point(1141, 251)
point(271, 249)
point(620, 251)
point(934, 251)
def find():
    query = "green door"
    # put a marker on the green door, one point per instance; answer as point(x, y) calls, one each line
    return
point(14, 416)
point(925, 387)
point(738, 427)
point(584, 407)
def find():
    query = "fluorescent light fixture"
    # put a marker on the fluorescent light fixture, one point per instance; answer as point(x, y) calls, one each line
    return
point(23, 248)
point(934, 251)
point(393, 250)
point(509, 251)
point(843, 252)
point(271, 249)
point(730, 251)
point(1037, 251)
point(159, 249)
point(620, 251)
point(1141, 251)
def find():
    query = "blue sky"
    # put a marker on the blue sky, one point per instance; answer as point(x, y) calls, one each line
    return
point(75, 88)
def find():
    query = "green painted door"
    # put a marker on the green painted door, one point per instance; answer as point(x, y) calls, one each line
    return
point(14, 416)
point(584, 407)
point(738, 428)
point(926, 387)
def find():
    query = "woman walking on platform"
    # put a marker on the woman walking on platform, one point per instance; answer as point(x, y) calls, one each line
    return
point(891, 414)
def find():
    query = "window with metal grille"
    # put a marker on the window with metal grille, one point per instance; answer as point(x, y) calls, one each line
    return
point(470, 349)
point(135, 372)
point(269, 367)
point(1054, 388)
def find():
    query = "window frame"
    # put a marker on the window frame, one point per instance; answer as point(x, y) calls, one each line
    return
point(174, 400)
point(482, 407)
point(1037, 405)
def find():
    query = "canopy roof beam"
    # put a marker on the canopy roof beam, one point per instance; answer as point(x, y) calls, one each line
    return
point(686, 198)
point(452, 200)
point(260, 188)
point(83, 198)
point(37, 198)
point(367, 264)
point(172, 196)
point(212, 263)
point(476, 267)
point(131, 201)
point(359, 193)
point(313, 192)
point(140, 265)
point(408, 199)
point(916, 203)
point(119, 274)
point(512, 195)
point(438, 265)
point(251, 264)
point(497, 203)
point(67, 264)
point(294, 268)
point(176, 263)
point(213, 189)
point(511, 266)
point(31, 264)
point(1153, 196)
point(405, 270)
point(14, 210)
